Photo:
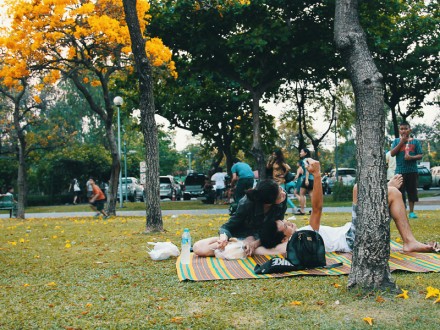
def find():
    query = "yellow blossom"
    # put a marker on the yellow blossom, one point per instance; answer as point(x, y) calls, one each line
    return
point(432, 292)
point(403, 295)
point(369, 320)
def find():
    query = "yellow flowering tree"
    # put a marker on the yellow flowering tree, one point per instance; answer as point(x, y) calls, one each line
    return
point(85, 41)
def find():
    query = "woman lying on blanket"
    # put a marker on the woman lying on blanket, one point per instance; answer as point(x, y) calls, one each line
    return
point(341, 239)
point(265, 203)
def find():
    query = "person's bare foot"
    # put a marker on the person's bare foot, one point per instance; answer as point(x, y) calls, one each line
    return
point(418, 247)
point(396, 181)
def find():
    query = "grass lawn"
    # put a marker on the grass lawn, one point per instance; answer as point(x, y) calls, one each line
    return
point(84, 273)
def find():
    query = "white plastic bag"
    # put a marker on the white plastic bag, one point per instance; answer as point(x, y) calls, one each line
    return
point(163, 250)
point(234, 250)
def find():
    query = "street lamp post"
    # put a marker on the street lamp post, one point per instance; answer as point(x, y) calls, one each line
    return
point(189, 162)
point(118, 101)
point(336, 147)
point(125, 169)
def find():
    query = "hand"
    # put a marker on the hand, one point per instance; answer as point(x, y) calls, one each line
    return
point(250, 245)
point(408, 157)
point(313, 166)
point(306, 182)
point(222, 242)
point(404, 138)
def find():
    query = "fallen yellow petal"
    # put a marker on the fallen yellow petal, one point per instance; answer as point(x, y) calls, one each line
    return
point(398, 240)
point(295, 303)
point(437, 301)
point(51, 284)
point(68, 246)
point(369, 320)
point(26, 285)
point(403, 295)
point(336, 285)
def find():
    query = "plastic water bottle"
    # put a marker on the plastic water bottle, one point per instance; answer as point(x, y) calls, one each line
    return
point(186, 247)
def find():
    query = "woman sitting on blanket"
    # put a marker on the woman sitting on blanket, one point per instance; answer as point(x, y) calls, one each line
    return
point(341, 239)
point(264, 203)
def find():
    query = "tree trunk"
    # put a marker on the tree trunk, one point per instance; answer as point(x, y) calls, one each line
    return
point(116, 167)
point(370, 269)
point(148, 123)
point(21, 175)
point(257, 150)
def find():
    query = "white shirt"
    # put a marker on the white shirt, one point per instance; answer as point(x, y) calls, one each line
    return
point(334, 237)
point(391, 162)
point(219, 179)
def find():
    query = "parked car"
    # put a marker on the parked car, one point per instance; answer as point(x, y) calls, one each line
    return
point(194, 183)
point(435, 172)
point(169, 187)
point(345, 175)
point(425, 177)
point(135, 191)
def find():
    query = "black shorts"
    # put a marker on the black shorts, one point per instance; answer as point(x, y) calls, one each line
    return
point(410, 184)
point(309, 187)
point(99, 204)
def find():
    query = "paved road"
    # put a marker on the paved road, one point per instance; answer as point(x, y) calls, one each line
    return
point(427, 203)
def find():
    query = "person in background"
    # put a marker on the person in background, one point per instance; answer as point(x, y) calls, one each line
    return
point(279, 169)
point(97, 200)
point(219, 178)
point(306, 183)
point(407, 151)
point(76, 190)
point(391, 165)
point(242, 178)
point(89, 187)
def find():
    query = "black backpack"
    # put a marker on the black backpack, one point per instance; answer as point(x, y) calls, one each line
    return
point(305, 250)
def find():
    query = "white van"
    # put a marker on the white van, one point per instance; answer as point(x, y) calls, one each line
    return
point(435, 171)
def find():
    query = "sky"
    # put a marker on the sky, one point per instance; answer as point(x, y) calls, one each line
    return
point(184, 137)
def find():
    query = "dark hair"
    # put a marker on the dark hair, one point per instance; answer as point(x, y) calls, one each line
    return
point(236, 160)
point(9, 188)
point(265, 192)
point(279, 155)
point(404, 123)
point(307, 151)
point(219, 169)
point(270, 236)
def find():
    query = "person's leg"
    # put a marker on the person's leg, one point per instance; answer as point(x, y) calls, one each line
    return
point(398, 213)
point(289, 202)
point(302, 201)
point(413, 182)
point(206, 247)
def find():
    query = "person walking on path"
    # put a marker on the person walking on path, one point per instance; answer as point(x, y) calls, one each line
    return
point(76, 190)
point(407, 151)
point(279, 169)
point(242, 178)
point(219, 178)
point(97, 200)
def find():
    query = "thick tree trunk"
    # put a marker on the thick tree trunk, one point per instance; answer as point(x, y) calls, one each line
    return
point(114, 174)
point(370, 269)
point(148, 123)
point(257, 150)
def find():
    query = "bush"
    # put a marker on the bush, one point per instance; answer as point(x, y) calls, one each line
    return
point(47, 200)
point(341, 192)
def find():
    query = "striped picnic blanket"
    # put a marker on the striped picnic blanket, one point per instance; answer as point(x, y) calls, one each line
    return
point(204, 269)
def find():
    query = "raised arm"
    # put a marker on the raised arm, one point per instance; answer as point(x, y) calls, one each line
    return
point(314, 167)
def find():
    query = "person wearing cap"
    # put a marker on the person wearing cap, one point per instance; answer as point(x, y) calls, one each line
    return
point(265, 202)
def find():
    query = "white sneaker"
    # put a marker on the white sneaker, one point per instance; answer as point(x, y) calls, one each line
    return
point(292, 218)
